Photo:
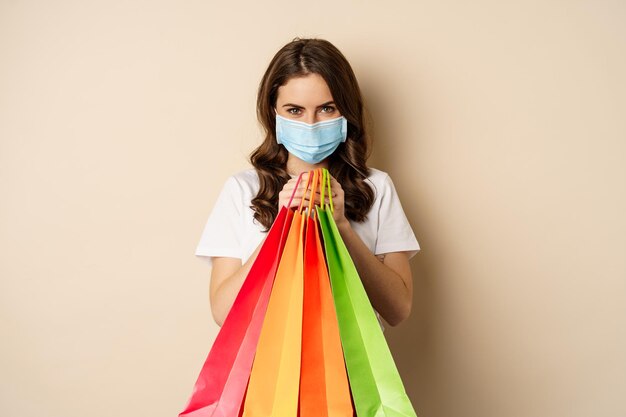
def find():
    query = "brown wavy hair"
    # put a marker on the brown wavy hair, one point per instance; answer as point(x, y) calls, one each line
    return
point(347, 164)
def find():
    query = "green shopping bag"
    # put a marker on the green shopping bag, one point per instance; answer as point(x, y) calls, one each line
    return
point(375, 383)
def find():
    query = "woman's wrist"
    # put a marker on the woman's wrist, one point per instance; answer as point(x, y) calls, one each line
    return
point(343, 225)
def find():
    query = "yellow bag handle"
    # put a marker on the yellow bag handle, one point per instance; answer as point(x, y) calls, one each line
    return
point(325, 184)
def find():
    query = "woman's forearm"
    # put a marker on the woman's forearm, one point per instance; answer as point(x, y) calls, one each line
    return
point(224, 296)
point(386, 289)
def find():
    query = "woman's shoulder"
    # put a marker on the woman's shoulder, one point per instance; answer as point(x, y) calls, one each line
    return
point(379, 179)
point(246, 176)
point(241, 186)
point(377, 175)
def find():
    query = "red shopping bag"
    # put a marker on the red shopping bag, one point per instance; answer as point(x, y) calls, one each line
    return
point(274, 380)
point(220, 388)
point(324, 389)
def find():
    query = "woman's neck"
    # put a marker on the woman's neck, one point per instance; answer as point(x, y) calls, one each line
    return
point(295, 165)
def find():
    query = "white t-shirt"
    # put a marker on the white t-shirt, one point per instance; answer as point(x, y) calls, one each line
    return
point(232, 231)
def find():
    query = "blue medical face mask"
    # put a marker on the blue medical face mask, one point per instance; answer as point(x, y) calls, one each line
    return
point(311, 143)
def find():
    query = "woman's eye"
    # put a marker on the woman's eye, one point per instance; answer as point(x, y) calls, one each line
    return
point(294, 111)
point(328, 109)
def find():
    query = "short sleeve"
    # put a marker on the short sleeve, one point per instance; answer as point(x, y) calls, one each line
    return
point(222, 233)
point(394, 231)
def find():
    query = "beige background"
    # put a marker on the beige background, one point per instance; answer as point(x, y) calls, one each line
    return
point(502, 125)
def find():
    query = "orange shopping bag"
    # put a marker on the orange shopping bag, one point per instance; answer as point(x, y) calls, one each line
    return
point(324, 390)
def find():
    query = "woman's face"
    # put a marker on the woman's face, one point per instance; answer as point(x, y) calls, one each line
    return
point(307, 99)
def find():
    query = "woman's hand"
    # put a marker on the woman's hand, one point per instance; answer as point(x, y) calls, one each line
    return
point(288, 189)
point(338, 202)
point(337, 195)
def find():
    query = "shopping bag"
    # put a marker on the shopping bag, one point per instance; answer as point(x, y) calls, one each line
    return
point(220, 387)
point(274, 380)
point(324, 390)
point(375, 383)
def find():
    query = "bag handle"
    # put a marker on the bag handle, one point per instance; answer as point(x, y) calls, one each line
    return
point(319, 177)
point(295, 189)
point(308, 183)
point(324, 185)
point(316, 180)
point(311, 185)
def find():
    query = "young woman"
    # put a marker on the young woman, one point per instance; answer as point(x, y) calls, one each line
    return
point(311, 109)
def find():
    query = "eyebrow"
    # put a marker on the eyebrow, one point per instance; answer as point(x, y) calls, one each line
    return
point(300, 107)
